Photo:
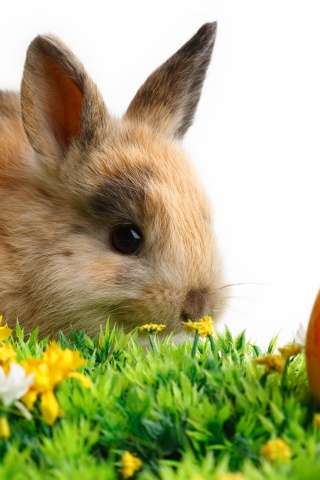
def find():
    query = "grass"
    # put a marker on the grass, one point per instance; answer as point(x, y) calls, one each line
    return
point(185, 418)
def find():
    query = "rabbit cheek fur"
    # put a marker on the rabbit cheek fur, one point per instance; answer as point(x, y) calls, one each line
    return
point(78, 172)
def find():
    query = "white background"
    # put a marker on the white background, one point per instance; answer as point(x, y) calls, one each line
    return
point(255, 140)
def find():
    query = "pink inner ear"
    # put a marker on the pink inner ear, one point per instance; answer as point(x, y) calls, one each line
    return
point(62, 103)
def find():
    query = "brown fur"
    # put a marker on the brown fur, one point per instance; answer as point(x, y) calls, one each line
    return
point(83, 173)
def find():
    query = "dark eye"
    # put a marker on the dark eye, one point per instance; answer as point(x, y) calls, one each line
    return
point(127, 239)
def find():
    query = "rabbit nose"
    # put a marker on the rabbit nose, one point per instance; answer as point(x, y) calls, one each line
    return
point(195, 305)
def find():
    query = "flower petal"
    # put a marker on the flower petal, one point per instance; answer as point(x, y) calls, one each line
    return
point(86, 382)
point(49, 407)
point(29, 399)
point(5, 333)
point(4, 428)
point(15, 384)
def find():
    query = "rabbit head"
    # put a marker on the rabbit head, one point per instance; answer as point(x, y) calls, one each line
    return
point(114, 221)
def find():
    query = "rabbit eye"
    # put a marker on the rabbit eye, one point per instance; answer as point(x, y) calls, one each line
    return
point(127, 239)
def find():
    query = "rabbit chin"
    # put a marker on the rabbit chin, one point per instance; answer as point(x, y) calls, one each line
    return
point(160, 306)
point(129, 313)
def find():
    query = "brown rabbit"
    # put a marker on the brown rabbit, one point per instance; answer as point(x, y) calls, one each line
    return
point(99, 216)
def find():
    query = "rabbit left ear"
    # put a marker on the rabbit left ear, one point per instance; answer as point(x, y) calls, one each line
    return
point(167, 101)
point(60, 104)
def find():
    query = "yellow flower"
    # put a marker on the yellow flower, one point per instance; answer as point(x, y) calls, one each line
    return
point(204, 326)
point(5, 331)
point(152, 328)
point(316, 420)
point(290, 351)
point(272, 362)
point(129, 465)
point(7, 355)
point(62, 362)
point(4, 428)
point(276, 449)
point(55, 366)
point(50, 370)
point(230, 476)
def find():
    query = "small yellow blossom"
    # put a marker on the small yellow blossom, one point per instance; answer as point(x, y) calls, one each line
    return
point(129, 465)
point(4, 428)
point(290, 351)
point(152, 328)
point(276, 449)
point(204, 327)
point(272, 362)
point(231, 476)
point(5, 331)
point(316, 420)
point(50, 370)
point(7, 355)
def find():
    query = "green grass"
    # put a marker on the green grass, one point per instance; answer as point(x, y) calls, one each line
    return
point(182, 416)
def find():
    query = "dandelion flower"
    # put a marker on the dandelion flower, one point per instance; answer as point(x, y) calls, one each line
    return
point(272, 363)
point(5, 331)
point(276, 449)
point(129, 465)
point(204, 327)
point(290, 351)
point(152, 328)
point(190, 327)
point(14, 384)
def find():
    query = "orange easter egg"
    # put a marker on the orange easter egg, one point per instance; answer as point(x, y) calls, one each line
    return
point(313, 349)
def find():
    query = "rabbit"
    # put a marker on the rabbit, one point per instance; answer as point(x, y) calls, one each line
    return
point(102, 217)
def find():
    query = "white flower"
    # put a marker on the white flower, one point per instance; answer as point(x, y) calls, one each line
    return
point(14, 385)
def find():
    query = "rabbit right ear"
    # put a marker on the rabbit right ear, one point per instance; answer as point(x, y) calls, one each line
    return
point(59, 102)
point(167, 101)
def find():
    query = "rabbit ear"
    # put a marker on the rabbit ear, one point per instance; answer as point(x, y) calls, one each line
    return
point(167, 101)
point(59, 102)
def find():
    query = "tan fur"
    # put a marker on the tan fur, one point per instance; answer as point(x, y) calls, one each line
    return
point(85, 173)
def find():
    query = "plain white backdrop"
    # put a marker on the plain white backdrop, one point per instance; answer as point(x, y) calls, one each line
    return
point(255, 140)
